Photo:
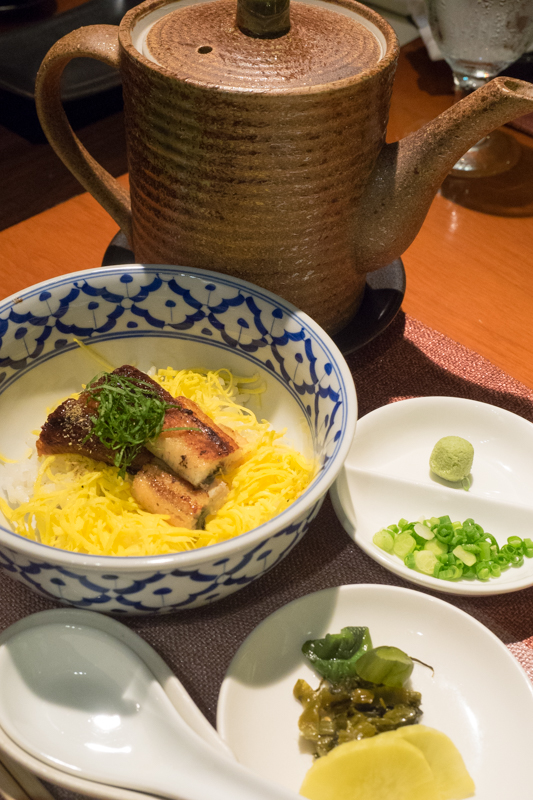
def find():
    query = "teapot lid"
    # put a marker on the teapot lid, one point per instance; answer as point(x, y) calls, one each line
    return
point(203, 44)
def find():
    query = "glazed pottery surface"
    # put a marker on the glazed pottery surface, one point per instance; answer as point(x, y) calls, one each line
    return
point(265, 158)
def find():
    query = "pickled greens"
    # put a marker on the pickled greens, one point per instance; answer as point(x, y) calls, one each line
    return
point(354, 709)
point(387, 665)
point(335, 655)
point(362, 691)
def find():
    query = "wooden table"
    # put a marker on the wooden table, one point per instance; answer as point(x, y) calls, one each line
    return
point(469, 274)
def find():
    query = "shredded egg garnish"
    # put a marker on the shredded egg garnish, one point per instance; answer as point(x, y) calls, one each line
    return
point(86, 507)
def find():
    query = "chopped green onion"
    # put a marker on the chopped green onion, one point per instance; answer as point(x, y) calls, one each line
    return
point(452, 573)
point(484, 551)
point(444, 532)
point(467, 558)
point(514, 554)
point(501, 560)
point(423, 531)
point(384, 539)
point(469, 573)
point(527, 548)
point(409, 561)
point(483, 570)
point(435, 547)
point(425, 561)
point(490, 538)
point(453, 550)
point(495, 569)
point(404, 544)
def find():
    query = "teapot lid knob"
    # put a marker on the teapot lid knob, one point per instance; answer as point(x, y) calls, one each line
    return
point(263, 19)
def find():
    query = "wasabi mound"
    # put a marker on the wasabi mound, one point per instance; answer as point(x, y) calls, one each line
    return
point(452, 458)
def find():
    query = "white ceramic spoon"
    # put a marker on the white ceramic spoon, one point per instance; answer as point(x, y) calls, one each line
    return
point(81, 699)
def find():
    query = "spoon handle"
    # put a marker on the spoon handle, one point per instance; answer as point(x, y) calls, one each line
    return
point(216, 777)
point(191, 714)
point(187, 768)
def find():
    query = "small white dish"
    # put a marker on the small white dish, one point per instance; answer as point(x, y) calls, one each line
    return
point(386, 476)
point(478, 695)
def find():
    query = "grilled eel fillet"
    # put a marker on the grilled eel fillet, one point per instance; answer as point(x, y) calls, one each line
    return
point(161, 491)
point(197, 456)
point(66, 428)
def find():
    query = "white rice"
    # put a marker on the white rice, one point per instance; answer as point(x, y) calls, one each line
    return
point(17, 480)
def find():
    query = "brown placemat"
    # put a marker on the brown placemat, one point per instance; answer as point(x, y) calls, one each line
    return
point(408, 360)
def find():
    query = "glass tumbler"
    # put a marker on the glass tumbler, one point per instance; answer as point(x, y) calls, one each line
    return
point(478, 39)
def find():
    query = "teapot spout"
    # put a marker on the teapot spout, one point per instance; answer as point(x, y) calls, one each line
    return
point(408, 173)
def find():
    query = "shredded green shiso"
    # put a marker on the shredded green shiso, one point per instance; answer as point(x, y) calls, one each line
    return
point(129, 413)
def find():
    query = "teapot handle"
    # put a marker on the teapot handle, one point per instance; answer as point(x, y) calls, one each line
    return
point(94, 41)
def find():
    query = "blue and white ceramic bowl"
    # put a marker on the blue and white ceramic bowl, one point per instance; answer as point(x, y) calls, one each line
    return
point(168, 316)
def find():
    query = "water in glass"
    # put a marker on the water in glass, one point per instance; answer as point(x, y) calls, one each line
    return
point(479, 38)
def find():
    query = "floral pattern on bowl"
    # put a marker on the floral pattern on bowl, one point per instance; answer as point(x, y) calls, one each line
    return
point(155, 315)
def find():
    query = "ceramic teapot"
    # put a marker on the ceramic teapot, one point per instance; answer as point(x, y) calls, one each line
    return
point(256, 142)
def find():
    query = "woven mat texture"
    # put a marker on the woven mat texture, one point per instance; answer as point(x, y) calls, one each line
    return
point(408, 360)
